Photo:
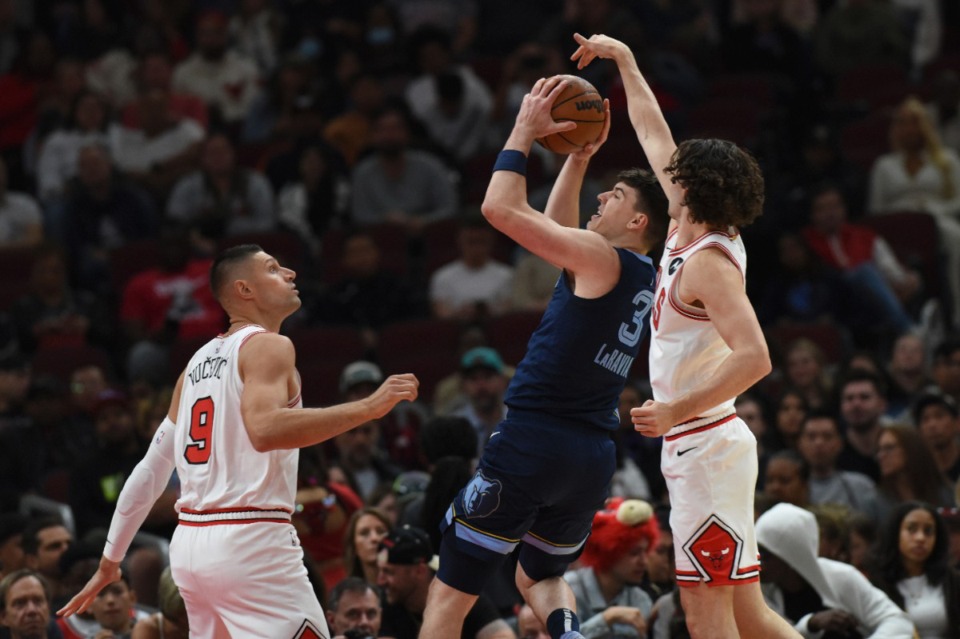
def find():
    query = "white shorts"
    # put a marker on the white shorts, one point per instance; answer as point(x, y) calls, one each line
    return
point(711, 475)
point(245, 580)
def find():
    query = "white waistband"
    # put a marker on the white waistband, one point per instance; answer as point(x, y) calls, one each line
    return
point(233, 515)
point(698, 422)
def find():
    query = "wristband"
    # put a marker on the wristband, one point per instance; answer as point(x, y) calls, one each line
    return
point(510, 160)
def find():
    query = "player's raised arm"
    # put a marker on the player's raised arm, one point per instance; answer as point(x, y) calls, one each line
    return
point(505, 204)
point(267, 365)
point(645, 114)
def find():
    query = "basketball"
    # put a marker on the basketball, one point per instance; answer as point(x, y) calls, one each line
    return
point(581, 103)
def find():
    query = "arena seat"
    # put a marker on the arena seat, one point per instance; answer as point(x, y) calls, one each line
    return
point(61, 362)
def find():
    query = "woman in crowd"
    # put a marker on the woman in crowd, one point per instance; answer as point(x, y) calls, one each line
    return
point(791, 410)
point(365, 529)
point(908, 471)
point(911, 565)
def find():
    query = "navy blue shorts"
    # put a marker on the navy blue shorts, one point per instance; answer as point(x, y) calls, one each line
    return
point(539, 482)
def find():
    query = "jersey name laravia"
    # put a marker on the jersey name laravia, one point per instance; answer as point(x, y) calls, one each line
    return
point(218, 467)
point(685, 348)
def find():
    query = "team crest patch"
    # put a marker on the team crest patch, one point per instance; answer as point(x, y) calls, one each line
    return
point(715, 550)
point(481, 497)
point(309, 631)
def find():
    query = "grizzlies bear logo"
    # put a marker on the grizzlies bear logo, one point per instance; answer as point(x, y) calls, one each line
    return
point(481, 497)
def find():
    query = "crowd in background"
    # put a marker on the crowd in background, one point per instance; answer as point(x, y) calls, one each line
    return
point(354, 141)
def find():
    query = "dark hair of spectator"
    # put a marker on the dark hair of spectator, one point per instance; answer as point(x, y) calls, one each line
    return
point(355, 585)
point(449, 475)
point(31, 534)
point(9, 580)
point(860, 375)
point(448, 436)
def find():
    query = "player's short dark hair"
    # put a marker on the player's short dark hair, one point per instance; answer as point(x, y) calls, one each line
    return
point(355, 585)
point(723, 181)
point(31, 534)
point(651, 200)
point(224, 263)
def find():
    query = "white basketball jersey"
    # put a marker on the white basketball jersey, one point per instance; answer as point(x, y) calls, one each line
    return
point(685, 348)
point(218, 467)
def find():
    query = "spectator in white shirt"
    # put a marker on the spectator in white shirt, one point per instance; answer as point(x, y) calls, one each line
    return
point(21, 223)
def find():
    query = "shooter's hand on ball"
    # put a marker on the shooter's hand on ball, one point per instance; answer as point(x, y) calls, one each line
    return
point(653, 419)
point(534, 118)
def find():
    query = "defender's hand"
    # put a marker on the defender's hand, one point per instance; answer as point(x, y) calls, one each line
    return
point(597, 46)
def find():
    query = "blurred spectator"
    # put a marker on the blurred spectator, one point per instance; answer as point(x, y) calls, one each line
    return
point(806, 372)
point(862, 408)
point(353, 606)
point(11, 34)
point(908, 471)
point(226, 80)
point(367, 295)
point(360, 463)
point(15, 378)
point(50, 314)
point(113, 609)
point(169, 302)
point(24, 88)
point(88, 123)
point(323, 511)
point(12, 558)
point(161, 148)
point(922, 29)
point(801, 288)
point(349, 132)
point(661, 574)
point(290, 107)
point(366, 528)
point(817, 594)
point(96, 480)
point(752, 408)
point(869, 267)
point(448, 393)
point(907, 371)
point(45, 540)
point(21, 223)
point(448, 475)
point(862, 531)
point(610, 601)
point(476, 285)
point(787, 478)
point(456, 19)
point(406, 567)
point(944, 108)
point(484, 384)
point(397, 183)
point(946, 367)
point(254, 30)
point(398, 430)
point(529, 626)
point(912, 566)
point(222, 198)
point(533, 282)
point(316, 198)
point(100, 212)
point(821, 443)
point(155, 73)
point(449, 99)
point(25, 606)
point(859, 33)
point(763, 42)
point(171, 621)
point(919, 174)
point(938, 422)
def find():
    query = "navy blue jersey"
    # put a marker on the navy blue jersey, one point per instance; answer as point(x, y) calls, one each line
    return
point(578, 359)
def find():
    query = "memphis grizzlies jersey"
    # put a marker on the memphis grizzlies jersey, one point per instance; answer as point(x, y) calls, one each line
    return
point(685, 348)
point(578, 359)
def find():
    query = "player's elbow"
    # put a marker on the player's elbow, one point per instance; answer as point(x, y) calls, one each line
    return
point(494, 209)
point(760, 359)
point(259, 437)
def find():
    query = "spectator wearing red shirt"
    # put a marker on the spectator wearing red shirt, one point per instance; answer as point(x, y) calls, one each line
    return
point(865, 260)
point(165, 303)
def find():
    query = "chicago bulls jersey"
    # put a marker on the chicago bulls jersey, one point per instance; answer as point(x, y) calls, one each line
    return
point(218, 467)
point(685, 348)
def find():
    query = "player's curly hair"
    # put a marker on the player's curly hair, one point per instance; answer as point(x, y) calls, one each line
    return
point(723, 182)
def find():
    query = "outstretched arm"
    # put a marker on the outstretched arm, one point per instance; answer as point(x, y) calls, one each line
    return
point(642, 105)
point(267, 363)
point(585, 254)
point(141, 490)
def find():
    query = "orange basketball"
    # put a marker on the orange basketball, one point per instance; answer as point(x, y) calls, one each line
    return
point(579, 102)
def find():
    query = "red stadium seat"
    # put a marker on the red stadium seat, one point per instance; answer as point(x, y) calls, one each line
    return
point(510, 333)
point(832, 339)
point(131, 258)
point(61, 362)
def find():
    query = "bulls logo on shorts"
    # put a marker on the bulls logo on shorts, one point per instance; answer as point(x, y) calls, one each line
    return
point(481, 497)
point(309, 631)
point(715, 551)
